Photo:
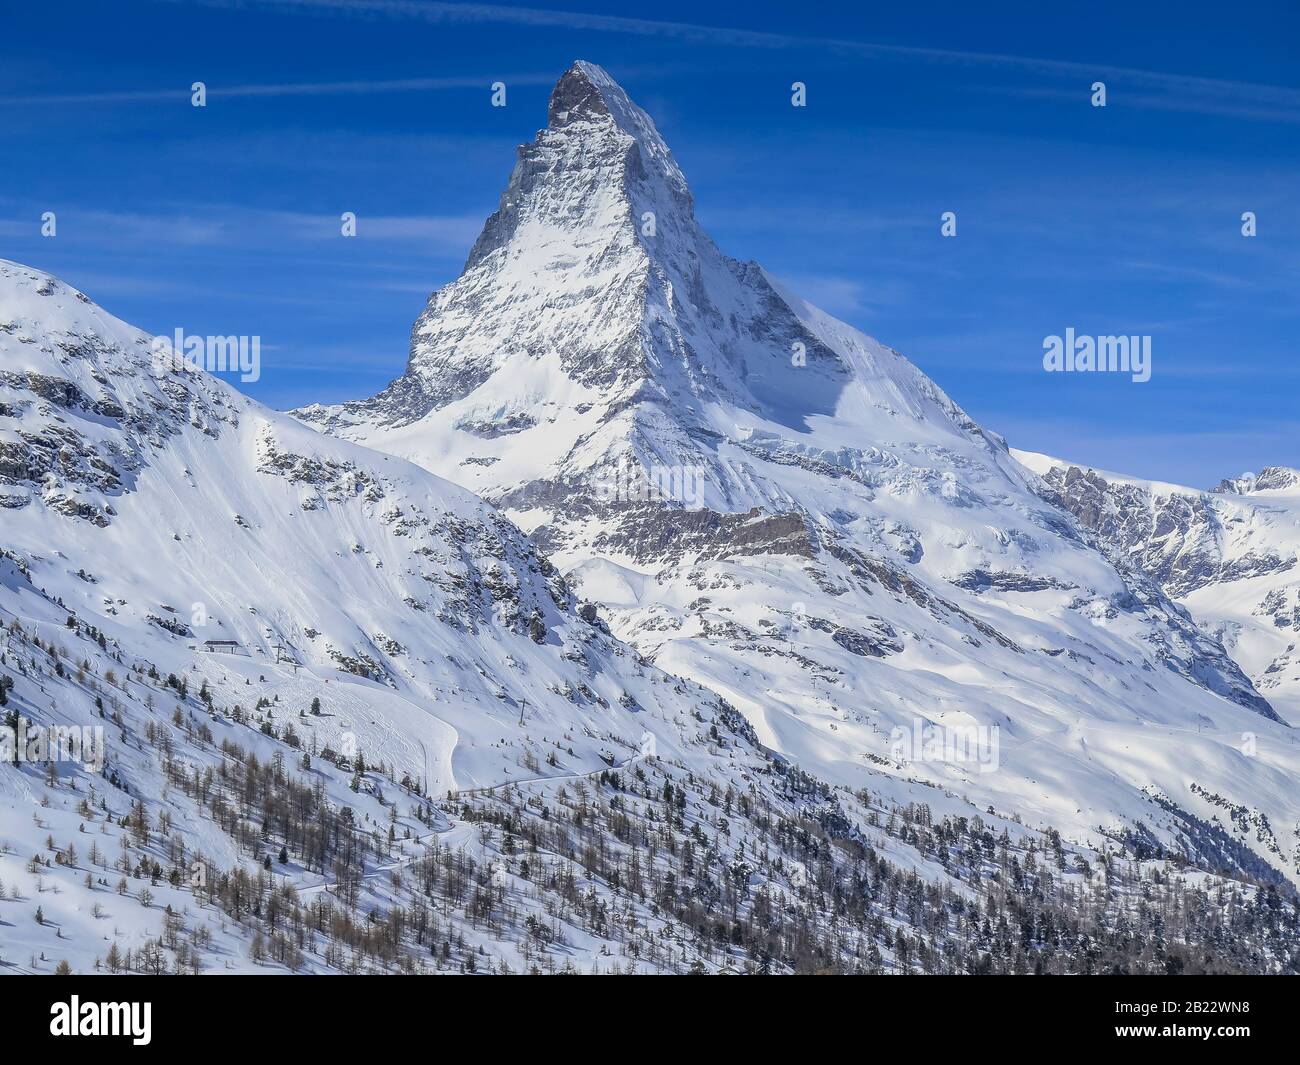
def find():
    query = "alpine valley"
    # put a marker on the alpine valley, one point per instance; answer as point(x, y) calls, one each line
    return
point(629, 629)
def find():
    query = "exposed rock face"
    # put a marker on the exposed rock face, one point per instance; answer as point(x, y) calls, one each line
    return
point(1179, 538)
point(1231, 555)
point(765, 500)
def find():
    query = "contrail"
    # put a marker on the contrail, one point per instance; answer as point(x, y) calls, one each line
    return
point(436, 11)
point(306, 88)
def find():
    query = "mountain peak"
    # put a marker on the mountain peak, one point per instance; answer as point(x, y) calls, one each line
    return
point(1270, 478)
point(599, 163)
point(581, 93)
point(587, 96)
point(586, 92)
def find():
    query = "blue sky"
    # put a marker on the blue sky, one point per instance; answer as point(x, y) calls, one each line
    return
point(1122, 220)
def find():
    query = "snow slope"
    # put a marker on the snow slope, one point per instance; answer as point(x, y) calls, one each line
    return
point(146, 508)
point(173, 510)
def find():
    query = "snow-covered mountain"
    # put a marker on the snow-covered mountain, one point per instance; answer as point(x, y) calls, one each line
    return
point(410, 750)
point(763, 500)
point(1231, 555)
point(337, 713)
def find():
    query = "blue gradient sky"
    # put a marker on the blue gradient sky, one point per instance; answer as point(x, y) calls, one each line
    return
point(1119, 220)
